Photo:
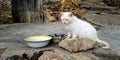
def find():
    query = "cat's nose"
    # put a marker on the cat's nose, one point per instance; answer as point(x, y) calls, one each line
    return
point(65, 22)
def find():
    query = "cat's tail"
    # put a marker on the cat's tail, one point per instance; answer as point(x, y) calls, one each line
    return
point(106, 45)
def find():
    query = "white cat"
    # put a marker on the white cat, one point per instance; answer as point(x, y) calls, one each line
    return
point(78, 28)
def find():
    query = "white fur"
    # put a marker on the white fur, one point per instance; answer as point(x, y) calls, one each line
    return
point(78, 28)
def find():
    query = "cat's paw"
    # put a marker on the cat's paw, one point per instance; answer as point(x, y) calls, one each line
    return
point(70, 39)
point(74, 38)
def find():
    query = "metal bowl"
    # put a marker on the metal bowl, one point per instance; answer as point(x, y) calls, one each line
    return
point(37, 41)
point(57, 37)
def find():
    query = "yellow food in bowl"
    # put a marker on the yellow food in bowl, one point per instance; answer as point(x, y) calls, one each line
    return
point(37, 38)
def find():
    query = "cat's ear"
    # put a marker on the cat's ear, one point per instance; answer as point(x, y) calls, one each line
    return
point(70, 14)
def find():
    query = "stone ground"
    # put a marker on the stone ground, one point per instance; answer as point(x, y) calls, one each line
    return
point(11, 36)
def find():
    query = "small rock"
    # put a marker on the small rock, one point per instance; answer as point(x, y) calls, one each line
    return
point(73, 45)
point(48, 55)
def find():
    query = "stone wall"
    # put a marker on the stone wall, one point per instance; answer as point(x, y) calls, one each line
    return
point(5, 11)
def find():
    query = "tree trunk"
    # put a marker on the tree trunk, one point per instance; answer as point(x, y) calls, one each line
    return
point(27, 11)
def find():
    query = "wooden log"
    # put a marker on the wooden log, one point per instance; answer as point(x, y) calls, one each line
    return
point(27, 11)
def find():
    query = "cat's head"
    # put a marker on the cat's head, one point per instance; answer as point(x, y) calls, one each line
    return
point(66, 17)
